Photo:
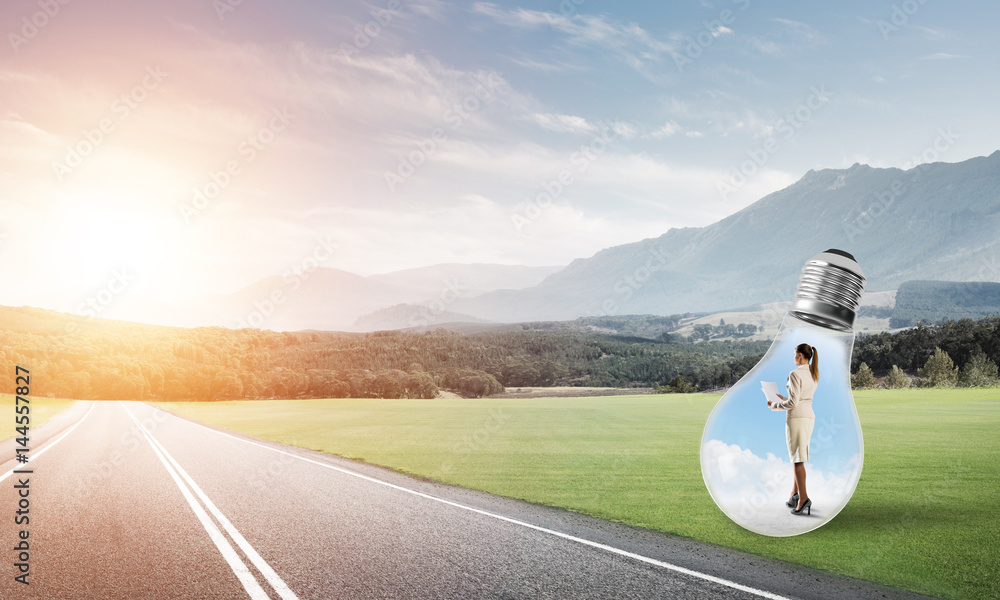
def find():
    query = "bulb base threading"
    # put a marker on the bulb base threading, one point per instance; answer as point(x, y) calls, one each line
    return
point(829, 290)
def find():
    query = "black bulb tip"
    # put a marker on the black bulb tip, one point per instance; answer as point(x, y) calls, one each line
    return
point(842, 253)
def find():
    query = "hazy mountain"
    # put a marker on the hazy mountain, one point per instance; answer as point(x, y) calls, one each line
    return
point(939, 221)
point(436, 287)
point(333, 299)
point(469, 280)
point(936, 221)
point(404, 316)
point(320, 299)
point(933, 301)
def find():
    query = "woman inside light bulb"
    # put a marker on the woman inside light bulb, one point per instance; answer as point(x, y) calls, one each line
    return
point(799, 421)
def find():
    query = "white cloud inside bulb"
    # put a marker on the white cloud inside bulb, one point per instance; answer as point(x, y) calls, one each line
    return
point(752, 490)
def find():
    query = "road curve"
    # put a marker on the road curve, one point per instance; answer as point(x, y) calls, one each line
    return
point(127, 501)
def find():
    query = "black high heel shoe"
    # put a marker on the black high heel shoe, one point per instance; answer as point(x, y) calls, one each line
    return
point(806, 506)
point(793, 501)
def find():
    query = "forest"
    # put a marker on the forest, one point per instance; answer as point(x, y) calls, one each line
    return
point(910, 349)
point(933, 301)
point(87, 358)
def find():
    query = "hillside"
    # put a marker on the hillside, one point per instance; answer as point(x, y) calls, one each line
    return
point(90, 358)
point(935, 221)
point(933, 301)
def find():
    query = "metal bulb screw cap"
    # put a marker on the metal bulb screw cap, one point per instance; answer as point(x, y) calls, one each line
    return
point(829, 290)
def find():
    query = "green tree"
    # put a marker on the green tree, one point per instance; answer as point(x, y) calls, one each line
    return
point(979, 371)
point(896, 378)
point(939, 369)
point(678, 385)
point(478, 384)
point(864, 378)
point(421, 385)
point(702, 331)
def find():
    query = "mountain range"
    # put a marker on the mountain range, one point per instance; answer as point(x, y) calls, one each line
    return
point(334, 300)
point(936, 221)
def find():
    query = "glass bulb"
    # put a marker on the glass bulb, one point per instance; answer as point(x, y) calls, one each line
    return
point(745, 458)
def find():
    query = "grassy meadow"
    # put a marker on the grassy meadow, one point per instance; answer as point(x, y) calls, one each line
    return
point(42, 409)
point(923, 518)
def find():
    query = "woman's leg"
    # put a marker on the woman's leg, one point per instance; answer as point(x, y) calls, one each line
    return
point(795, 483)
point(800, 483)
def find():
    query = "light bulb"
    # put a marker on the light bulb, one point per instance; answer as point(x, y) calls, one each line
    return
point(745, 456)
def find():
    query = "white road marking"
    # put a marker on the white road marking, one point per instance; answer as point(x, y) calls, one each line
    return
point(566, 536)
point(276, 582)
point(235, 562)
point(32, 455)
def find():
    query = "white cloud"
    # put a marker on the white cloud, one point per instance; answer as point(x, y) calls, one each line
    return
point(932, 33)
point(562, 123)
point(793, 37)
point(805, 34)
point(628, 41)
point(943, 56)
point(624, 130)
point(427, 8)
point(765, 46)
point(537, 65)
point(666, 130)
point(753, 490)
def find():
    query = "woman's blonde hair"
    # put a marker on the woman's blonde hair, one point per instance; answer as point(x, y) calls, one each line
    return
point(812, 357)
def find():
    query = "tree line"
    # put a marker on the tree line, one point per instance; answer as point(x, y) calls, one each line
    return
point(89, 358)
point(962, 352)
point(85, 358)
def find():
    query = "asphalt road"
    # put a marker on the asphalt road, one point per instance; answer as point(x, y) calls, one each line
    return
point(126, 501)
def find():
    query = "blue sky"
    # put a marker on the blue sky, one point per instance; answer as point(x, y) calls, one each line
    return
point(508, 132)
point(743, 418)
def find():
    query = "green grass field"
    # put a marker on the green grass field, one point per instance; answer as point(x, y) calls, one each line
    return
point(42, 409)
point(924, 516)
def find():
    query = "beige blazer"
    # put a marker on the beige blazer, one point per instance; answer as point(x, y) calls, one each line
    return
point(801, 388)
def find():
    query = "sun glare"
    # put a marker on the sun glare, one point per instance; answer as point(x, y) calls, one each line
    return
point(99, 235)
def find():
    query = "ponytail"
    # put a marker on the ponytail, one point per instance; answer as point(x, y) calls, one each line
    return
point(812, 357)
point(814, 364)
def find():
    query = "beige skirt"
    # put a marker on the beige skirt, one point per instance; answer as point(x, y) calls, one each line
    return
point(798, 430)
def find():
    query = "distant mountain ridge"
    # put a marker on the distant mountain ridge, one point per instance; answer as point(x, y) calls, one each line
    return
point(933, 301)
point(935, 221)
point(335, 300)
point(938, 221)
